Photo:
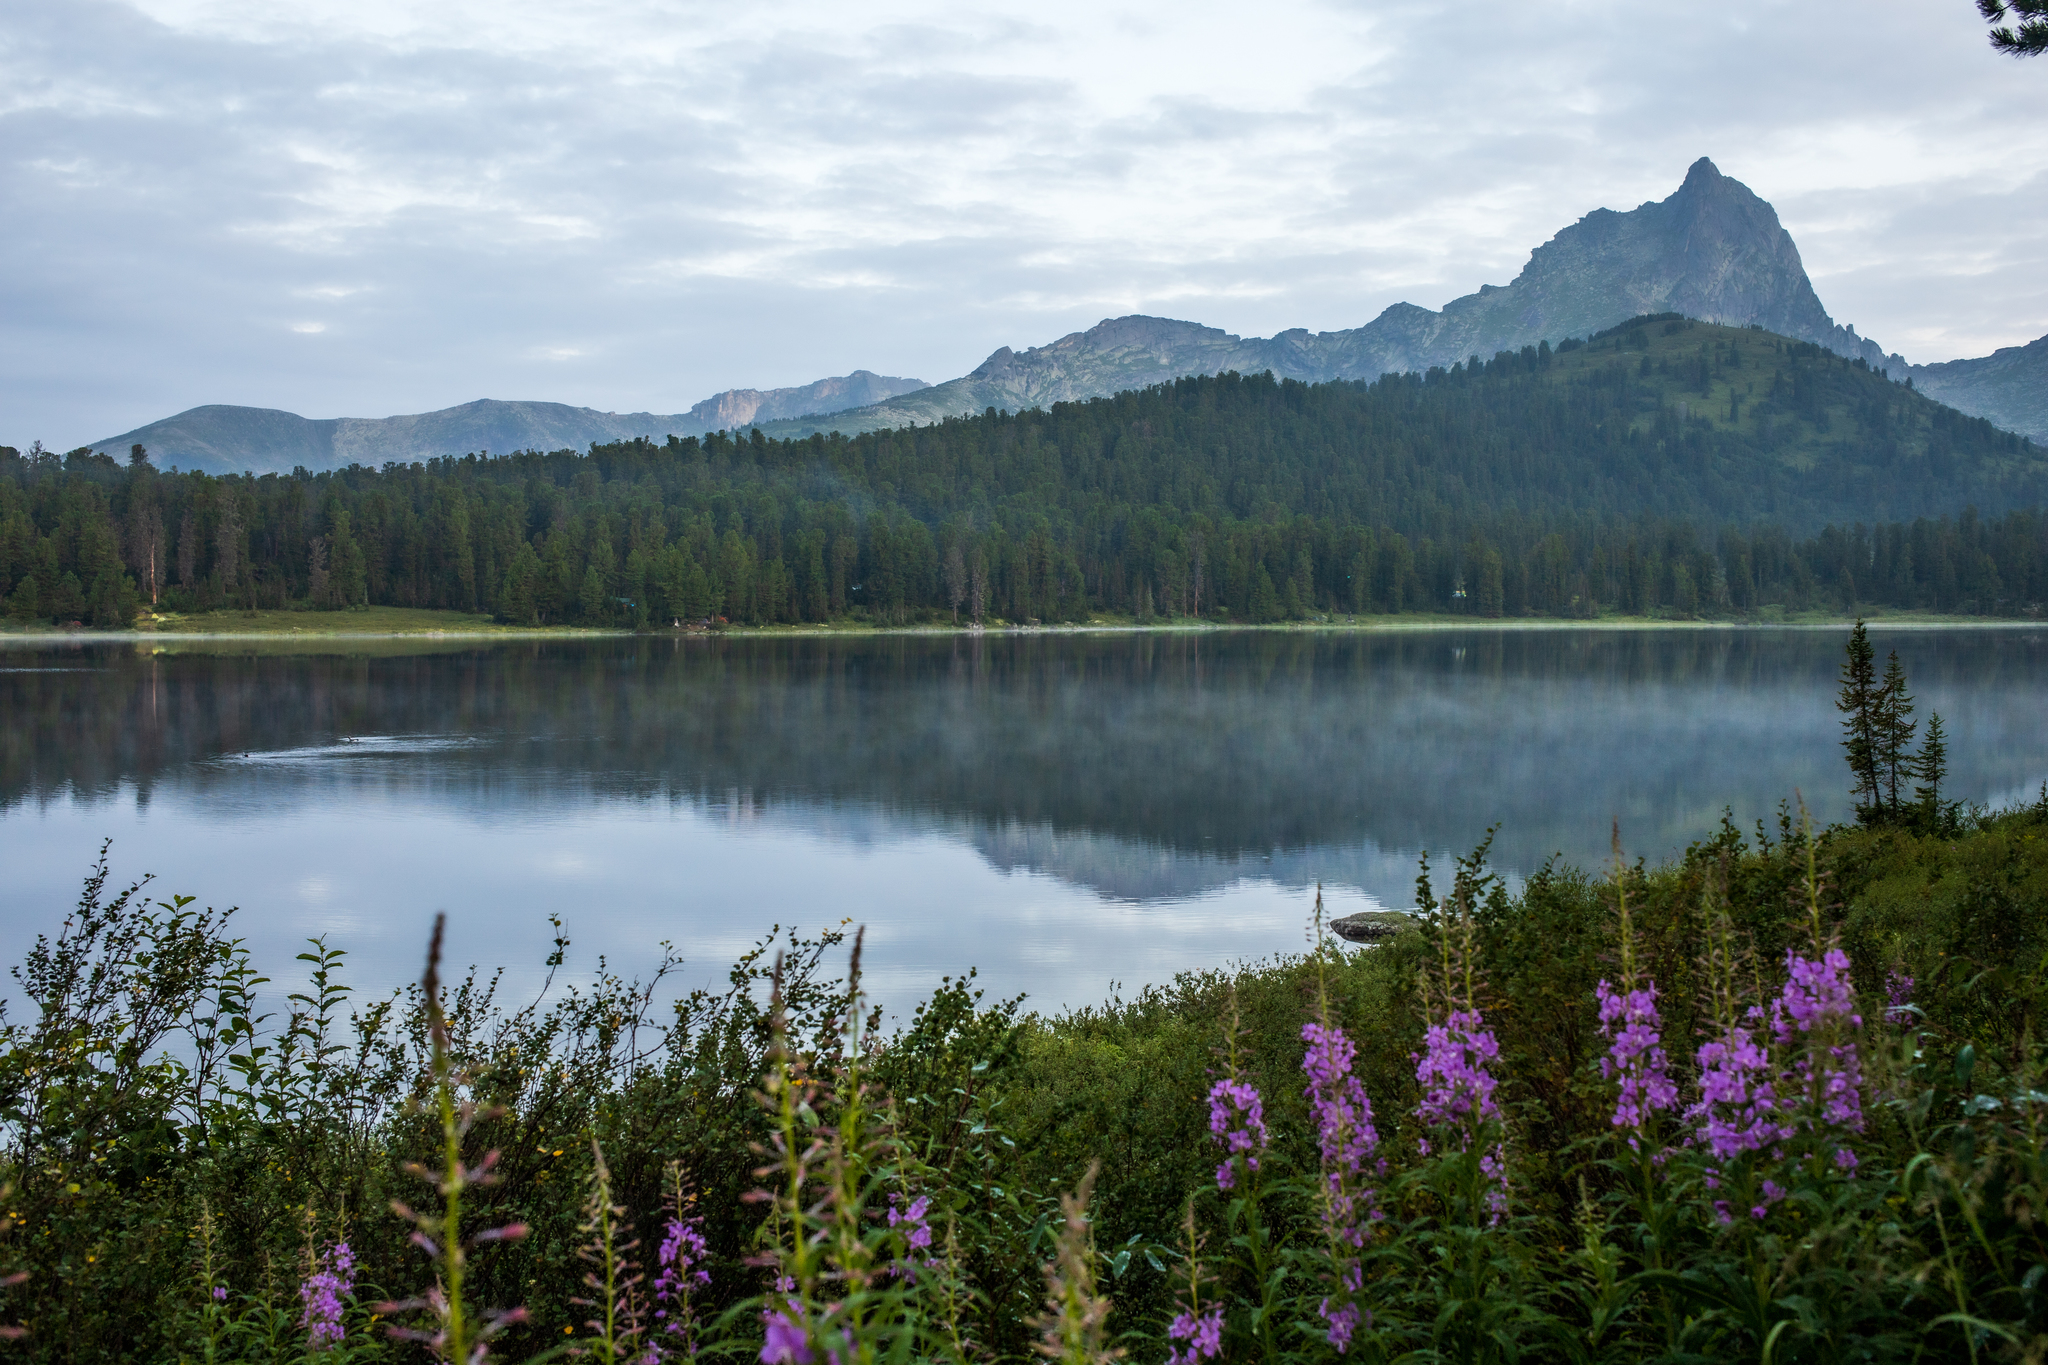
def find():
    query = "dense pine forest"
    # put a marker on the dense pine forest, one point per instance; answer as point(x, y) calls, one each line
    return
point(1666, 467)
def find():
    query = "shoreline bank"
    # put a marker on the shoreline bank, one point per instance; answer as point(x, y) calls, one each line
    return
point(1363, 626)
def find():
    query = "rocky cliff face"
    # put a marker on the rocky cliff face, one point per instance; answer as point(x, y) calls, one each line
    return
point(743, 407)
point(1713, 251)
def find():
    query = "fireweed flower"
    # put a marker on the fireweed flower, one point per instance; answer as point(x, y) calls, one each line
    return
point(786, 1344)
point(680, 1272)
point(1343, 1113)
point(1203, 1335)
point(1816, 1013)
point(1737, 1108)
point(1635, 1054)
point(1347, 1138)
point(1457, 1090)
point(917, 1235)
point(1898, 991)
point(1456, 1085)
point(1237, 1119)
point(322, 1293)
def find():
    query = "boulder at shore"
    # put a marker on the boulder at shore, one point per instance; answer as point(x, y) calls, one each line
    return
point(1372, 926)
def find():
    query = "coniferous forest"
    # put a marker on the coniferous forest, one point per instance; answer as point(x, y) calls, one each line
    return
point(1666, 467)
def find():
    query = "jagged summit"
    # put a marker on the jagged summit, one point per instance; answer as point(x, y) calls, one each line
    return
point(1713, 250)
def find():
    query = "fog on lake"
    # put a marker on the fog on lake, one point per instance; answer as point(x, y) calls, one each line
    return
point(1066, 811)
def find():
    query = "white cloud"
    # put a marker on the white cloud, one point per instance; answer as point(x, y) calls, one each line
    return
point(715, 195)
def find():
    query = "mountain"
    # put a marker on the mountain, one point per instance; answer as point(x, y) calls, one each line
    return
point(2008, 387)
point(744, 407)
point(222, 439)
point(1713, 250)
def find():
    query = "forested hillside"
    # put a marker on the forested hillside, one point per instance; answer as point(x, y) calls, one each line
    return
point(1666, 466)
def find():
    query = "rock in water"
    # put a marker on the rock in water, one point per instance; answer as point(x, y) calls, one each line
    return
point(1372, 926)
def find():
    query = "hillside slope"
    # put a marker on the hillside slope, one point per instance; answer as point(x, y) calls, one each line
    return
point(1662, 416)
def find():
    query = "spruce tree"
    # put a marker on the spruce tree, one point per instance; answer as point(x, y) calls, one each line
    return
point(1859, 704)
point(1895, 726)
point(1931, 766)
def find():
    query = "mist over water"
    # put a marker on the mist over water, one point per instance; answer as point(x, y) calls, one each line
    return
point(1065, 811)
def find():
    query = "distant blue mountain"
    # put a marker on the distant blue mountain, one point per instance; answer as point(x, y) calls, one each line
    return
point(221, 439)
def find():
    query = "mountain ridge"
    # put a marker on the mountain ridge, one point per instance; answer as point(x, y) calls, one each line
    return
point(223, 438)
point(1712, 250)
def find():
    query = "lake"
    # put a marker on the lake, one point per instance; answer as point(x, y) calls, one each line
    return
point(1072, 813)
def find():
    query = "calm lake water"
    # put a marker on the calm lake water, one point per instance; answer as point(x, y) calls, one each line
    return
point(1067, 812)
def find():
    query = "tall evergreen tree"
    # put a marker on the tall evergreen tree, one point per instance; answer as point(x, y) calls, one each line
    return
point(1895, 727)
point(1859, 702)
point(1931, 766)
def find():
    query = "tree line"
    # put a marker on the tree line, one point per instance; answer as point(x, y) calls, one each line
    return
point(1665, 468)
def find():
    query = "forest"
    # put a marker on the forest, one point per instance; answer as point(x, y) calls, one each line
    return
point(1665, 468)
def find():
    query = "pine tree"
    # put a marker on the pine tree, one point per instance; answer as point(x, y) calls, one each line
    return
point(1859, 702)
point(2030, 38)
point(1931, 766)
point(1895, 727)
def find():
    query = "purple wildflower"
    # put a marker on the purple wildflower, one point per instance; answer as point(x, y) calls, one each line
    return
point(1343, 1113)
point(1494, 1167)
point(916, 1233)
point(321, 1295)
point(1817, 1009)
point(786, 1343)
point(1346, 1135)
point(1237, 1118)
point(1458, 1089)
point(1342, 1318)
point(1635, 1054)
point(680, 1272)
point(1898, 990)
point(1736, 1112)
point(1455, 1082)
point(1203, 1335)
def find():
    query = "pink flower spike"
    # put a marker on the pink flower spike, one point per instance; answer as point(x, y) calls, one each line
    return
point(1237, 1119)
point(1635, 1054)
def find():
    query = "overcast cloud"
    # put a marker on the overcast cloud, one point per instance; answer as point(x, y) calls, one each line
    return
point(365, 207)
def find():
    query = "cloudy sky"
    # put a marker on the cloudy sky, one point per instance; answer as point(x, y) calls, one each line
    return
point(365, 207)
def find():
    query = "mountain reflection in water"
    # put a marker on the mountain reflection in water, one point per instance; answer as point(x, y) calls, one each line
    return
point(1187, 787)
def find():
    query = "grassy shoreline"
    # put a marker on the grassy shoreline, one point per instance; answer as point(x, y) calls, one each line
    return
point(404, 623)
